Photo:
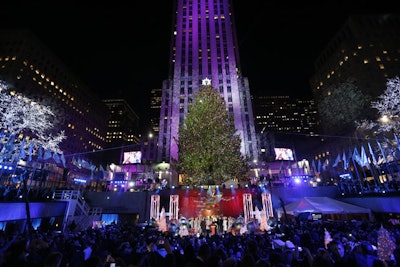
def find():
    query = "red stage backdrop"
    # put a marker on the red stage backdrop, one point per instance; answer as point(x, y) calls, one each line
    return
point(225, 202)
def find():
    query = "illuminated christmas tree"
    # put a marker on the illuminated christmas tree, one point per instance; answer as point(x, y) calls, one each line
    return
point(26, 128)
point(209, 146)
point(386, 245)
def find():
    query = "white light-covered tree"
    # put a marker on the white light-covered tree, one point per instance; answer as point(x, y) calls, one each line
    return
point(388, 107)
point(21, 116)
point(28, 125)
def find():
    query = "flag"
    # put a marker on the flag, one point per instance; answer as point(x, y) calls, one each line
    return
point(76, 163)
point(40, 153)
point(319, 165)
point(364, 159)
point(345, 161)
point(314, 167)
point(56, 157)
point(335, 164)
point(47, 154)
point(356, 156)
point(30, 150)
point(9, 146)
point(102, 171)
point(63, 159)
point(372, 155)
point(325, 164)
point(397, 141)
point(389, 146)
point(22, 154)
point(383, 158)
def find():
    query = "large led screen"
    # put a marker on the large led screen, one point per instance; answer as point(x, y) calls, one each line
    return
point(132, 157)
point(283, 154)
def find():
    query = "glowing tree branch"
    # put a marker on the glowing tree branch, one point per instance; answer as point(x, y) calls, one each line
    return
point(21, 115)
point(388, 107)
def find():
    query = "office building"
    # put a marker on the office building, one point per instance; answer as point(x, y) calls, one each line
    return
point(204, 46)
point(284, 114)
point(122, 128)
point(281, 121)
point(155, 108)
point(123, 123)
point(364, 51)
point(33, 71)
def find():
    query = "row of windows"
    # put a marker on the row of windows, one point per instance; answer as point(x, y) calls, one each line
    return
point(365, 61)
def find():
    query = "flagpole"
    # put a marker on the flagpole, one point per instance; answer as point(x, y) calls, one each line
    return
point(374, 175)
point(371, 152)
point(385, 183)
point(357, 173)
point(362, 168)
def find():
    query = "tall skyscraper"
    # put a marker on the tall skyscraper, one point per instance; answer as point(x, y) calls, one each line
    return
point(123, 129)
point(204, 45)
point(155, 107)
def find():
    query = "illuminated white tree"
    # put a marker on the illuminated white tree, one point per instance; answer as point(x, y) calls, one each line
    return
point(388, 107)
point(20, 115)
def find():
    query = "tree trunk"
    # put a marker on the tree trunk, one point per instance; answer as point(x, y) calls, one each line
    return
point(27, 208)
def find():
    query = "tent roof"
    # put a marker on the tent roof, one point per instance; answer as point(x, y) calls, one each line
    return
point(324, 205)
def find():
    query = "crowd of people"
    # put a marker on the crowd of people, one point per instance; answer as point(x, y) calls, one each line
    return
point(304, 243)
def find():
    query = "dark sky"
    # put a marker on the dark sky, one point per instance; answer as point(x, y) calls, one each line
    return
point(121, 48)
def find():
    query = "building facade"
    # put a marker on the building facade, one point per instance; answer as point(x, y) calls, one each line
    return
point(155, 108)
point(123, 123)
point(365, 51)
point(122, 128)
point(284, 114)
point(33, 71)
point(204, 46)
point(281, 120)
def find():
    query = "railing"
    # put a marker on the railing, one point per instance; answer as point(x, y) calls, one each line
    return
point(67, 194)
point(73, 195)
point(83, 215)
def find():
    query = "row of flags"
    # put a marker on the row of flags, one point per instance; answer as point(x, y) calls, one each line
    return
point(12, 150)
point(365, 156)
point(81, 163)
point(11, 153)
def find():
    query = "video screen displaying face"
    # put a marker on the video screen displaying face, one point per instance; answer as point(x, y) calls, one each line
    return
point(283, 154)
point(132, 157)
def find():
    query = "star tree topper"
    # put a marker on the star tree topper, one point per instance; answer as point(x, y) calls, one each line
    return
point(206, 82)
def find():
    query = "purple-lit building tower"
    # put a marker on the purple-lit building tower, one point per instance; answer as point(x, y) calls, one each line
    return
point(204, 45)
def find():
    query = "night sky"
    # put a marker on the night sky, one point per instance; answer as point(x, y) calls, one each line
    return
point(122, 50)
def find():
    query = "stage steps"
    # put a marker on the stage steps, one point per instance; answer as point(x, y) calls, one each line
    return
point(78, 210)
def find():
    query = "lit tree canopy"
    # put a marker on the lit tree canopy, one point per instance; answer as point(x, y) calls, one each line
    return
point(344, 105)
point(388, 107)
point(209, 148)
point(20, 116)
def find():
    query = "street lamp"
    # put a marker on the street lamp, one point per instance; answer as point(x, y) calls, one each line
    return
point(390, 123)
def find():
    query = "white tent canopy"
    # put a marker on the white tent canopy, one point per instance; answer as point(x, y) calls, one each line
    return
point(324, 205)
